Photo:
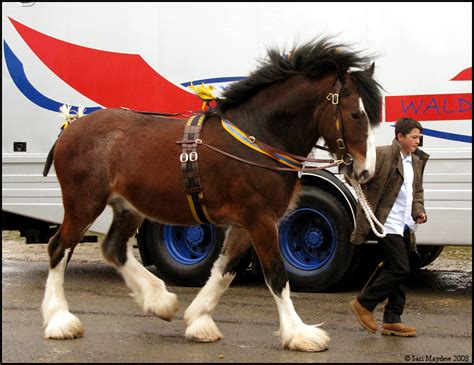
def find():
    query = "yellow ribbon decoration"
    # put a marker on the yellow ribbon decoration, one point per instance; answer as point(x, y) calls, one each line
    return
point(204, 92)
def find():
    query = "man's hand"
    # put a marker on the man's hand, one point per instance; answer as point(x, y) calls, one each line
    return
point(421, 218)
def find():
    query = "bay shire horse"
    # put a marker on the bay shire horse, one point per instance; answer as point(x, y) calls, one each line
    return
point(132, 162)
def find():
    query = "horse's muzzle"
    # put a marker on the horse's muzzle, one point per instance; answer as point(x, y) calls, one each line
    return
point(362, 177)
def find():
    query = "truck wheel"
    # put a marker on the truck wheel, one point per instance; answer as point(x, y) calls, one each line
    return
point(184, 255)
point(427, 254)
point(315, 241)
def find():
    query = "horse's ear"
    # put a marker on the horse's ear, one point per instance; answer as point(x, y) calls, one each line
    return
point(371, 69)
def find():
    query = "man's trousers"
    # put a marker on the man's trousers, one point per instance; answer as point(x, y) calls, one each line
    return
point(391, 283)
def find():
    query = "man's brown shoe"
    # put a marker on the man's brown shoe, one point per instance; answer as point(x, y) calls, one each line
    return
point(398, 329)
point(364, 316)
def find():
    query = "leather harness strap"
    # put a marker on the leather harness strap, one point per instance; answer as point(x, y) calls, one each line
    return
point(289, 169)
point(334, 99)
point(190, 171)
point(158, 114)
point(286, 158)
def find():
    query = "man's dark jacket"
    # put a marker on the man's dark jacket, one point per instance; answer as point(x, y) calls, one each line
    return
point(383, 188)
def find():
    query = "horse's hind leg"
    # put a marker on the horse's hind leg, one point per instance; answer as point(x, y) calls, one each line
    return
point(294, 333)
point(148, 291)
point(200, 325)
point(59, 322)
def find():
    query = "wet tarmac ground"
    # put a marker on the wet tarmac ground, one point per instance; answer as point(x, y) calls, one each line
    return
point(439, 305)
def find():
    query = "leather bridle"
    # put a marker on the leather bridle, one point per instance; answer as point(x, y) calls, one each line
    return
point(341, 150)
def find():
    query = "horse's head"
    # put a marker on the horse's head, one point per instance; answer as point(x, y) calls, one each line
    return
point(295, 98)
point(346, 121)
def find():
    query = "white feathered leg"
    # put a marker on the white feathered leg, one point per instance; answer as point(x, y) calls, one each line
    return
point(295, 335)
point(59, 322)
point(198, 316)
point(148, 290)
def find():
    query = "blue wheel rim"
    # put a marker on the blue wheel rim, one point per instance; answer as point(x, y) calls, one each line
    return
point(307, 239)
point(189, 245)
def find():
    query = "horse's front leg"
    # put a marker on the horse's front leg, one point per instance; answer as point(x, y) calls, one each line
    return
point(295, 334)
point(198, 316)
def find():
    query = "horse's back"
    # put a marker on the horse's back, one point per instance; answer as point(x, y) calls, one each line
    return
point(111, 133)
point(115, 120)
point(116, 152)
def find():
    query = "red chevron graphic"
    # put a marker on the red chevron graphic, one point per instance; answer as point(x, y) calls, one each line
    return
point(110, 79)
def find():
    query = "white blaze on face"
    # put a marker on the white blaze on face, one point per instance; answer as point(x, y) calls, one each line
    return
point(369, 163)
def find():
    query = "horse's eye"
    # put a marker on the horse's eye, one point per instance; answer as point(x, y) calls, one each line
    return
point(355, 116)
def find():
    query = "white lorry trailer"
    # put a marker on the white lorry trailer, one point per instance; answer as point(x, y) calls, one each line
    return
point(144, 55)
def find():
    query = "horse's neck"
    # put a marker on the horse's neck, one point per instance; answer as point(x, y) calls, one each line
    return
point(291, 128)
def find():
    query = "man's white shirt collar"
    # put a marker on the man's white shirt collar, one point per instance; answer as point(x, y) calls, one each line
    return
point(407, 158)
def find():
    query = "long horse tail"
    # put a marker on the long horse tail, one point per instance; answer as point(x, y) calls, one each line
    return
point(49, 160)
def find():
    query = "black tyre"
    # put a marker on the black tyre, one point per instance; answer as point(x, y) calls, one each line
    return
point(427, 255)
point(315, 241)
point(183, 255)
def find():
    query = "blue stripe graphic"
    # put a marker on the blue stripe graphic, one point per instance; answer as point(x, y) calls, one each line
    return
point(17, 73)
point(213, 80)
point(446, 135)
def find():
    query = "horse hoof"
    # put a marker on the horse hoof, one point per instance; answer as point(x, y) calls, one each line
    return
point(206, 339)
point(167, 308)
point(203, 329)
point(64, 326)
point(309, 339)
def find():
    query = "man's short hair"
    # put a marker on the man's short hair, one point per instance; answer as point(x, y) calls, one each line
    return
point(405, 125)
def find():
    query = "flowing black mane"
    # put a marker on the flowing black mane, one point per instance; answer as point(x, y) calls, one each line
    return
point(313, 60)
